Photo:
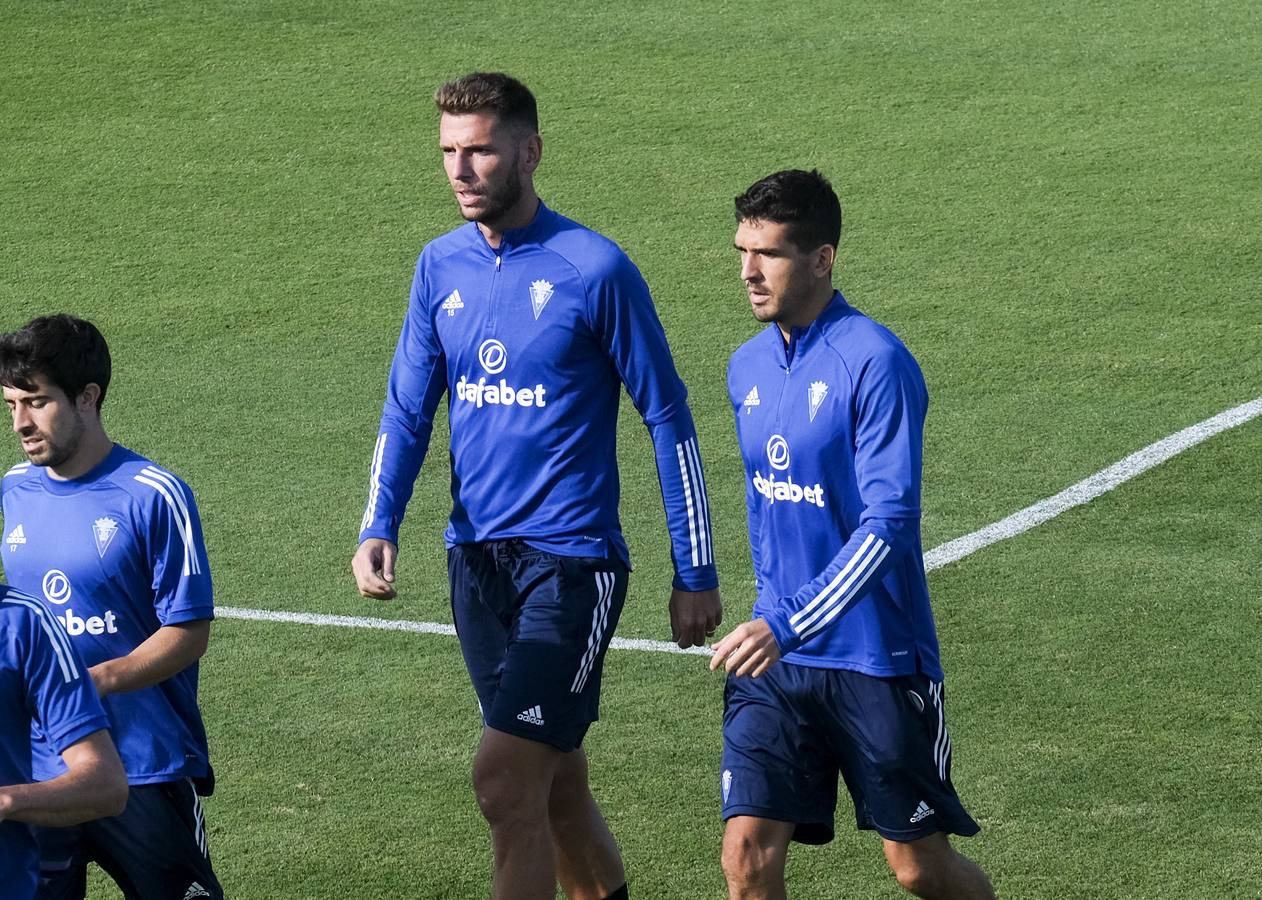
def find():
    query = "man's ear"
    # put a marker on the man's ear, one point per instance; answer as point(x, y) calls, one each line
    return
point(533, 154)
point(825, 257)
point(86, 401)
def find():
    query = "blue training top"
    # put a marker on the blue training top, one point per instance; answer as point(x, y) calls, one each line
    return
point(830, 429)
point(116, 554)
point(43, 681)
point(531, 342)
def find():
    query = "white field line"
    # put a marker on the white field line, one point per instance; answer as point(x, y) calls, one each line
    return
point(1091, 487)
point(1019, 522)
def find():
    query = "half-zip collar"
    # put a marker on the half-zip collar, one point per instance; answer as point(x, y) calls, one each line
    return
point(516, 237)
point(801, 340)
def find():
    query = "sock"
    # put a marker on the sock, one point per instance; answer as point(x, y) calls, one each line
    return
point(619, 894)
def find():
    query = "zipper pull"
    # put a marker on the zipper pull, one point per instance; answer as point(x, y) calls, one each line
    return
point(497, 263)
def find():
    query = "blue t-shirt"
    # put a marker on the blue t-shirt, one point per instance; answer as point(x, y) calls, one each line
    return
point(116, 554)
point(42, 680)
point(830, 430)
point(532, 341)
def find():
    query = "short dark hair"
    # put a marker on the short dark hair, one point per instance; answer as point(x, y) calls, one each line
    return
point(804, 201)
point(495, 92)
point(68, 352)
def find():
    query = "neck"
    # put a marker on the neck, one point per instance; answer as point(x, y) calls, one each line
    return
point(520, 215)
point(92, 451)
point(820, 296)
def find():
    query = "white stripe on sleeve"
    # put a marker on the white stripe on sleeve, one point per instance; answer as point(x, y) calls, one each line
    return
point(845, 571)
point(698, 474)
point(692, 515)
point(374, 483)
point(56, 635)
point(182, 502)
point(848, 590)
point(192, 566)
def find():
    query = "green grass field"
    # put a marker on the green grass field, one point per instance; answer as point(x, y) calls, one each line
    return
point(1060, 211)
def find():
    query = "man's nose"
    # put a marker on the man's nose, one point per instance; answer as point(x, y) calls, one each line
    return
point(462, 167)
point(21, 419)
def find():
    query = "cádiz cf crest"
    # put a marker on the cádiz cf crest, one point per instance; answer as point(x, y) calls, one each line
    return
point(540, 294)
point(104, 530)
point(815, 396)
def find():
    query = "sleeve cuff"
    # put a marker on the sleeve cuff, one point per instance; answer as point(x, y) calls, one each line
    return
point(702, 578)
point(381, 533)
point(787, 639)
point(77, 730)
point(187, 614)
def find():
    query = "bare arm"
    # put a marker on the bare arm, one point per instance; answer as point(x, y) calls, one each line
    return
point(94, 787)
point(167, 652)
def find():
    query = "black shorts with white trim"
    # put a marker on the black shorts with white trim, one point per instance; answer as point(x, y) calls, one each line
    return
point(789, 734)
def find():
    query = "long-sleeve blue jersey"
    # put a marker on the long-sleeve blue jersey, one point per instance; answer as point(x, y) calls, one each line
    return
point(830, 429)
point(532, 341)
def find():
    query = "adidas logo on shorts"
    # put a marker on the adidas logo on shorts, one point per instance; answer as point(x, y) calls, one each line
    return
point(922, 812)
point(195, 890)
point(534, 715)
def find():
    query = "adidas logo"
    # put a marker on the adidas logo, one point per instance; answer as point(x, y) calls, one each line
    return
point(751, 399)
point(453, 303)
point(195, 890)
point(16, 536)
point(534, 715)
point(922, 812)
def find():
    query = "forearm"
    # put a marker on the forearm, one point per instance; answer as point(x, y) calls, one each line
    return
point(67, 800)
point(95, 786)
point(856, 569)
point(686, 501)
point(418, 380)
point(165, 653)
point(397, 459)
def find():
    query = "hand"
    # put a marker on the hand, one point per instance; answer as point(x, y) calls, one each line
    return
point(748, 649)
point(694, 615)
point(373, 565)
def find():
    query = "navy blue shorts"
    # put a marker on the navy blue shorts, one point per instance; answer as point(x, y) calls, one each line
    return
point(534, 628)
point(155, 850)
point(789, 733)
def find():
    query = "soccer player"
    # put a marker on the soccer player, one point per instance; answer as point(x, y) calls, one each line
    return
point(113, 544)
point(42, 679)
point(532, 324)
point(838, 671)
